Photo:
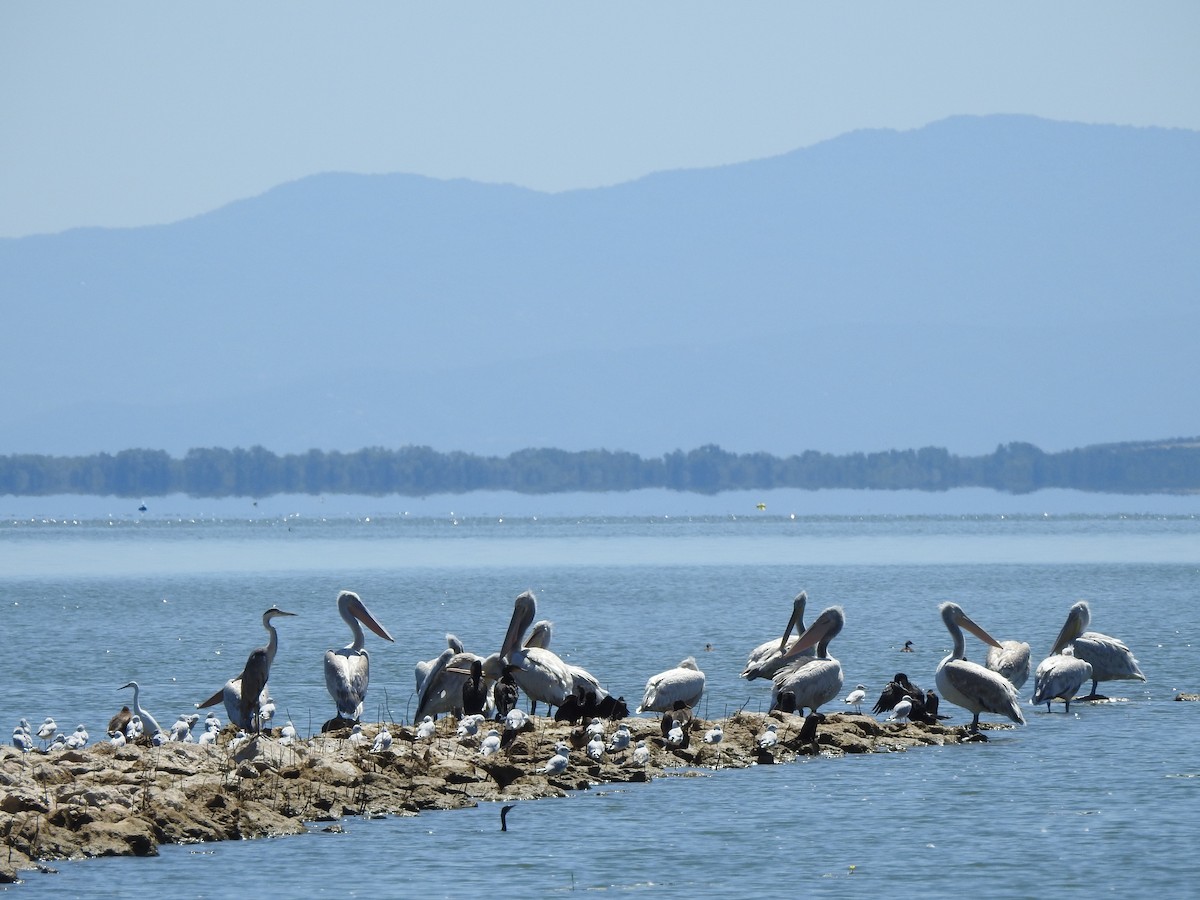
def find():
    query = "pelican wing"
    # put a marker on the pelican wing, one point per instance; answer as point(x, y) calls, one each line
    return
point(347, 674)
point(1059, 677)
point(1110, 659)
point(977, 689)
point(1011, 661)
point(684, 683)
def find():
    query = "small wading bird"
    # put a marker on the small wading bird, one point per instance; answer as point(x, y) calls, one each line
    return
point(245, 696)
point(348, 670)
point(1108, 656)
point(146, 722)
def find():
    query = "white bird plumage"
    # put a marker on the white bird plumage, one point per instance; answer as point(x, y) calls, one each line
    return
point(683, 684)
point(1108, 656)
point(769, 738)
point(383, 741)
point(490, 744)
point(856, 697)
point(146, 722)
point(816, 682)
point(557, 764)
point(975, 688)
point(1011, 661)
point(538, 672)
point(767, 658)
point(1059, 677)
point(902, 710)
point(348, 670)
point(641, 754)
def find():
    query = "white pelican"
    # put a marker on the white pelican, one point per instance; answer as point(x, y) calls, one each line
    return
point(558, 762)
point(146, 722)
point(641, 754)
point(424, 667)
point(811, 684)
point(970, 685)
point(540, 634)
point(856, 697)
point(245, 695)
point(442, 689)
point(1059, 677)
point(537, 671)
point(765, 659)
point(1011, 661)
point(348, 670)
point(684, 683)
point(1108, 656)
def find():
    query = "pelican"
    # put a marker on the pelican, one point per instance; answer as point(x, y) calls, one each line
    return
point(1059, 677)
point(1011, 661)
point(537, 671)
point(348, 670)
point(442, 689)
point(682, 684)
point(540, 634)
point(856, 697)
point(1108, 656)
point(767, 658)
point(424, 667)
point(811, 683)
point(246, 696)
point(970, 685)
point(146, 722)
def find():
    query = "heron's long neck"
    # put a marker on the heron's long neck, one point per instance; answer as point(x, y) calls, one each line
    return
point(272, 643)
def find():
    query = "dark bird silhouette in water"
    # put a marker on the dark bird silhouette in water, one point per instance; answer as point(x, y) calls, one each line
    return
point(474, 692)
point(504, 694)
point(504, 817)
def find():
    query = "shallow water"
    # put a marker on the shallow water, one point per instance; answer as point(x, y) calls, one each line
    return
point(1102, 800)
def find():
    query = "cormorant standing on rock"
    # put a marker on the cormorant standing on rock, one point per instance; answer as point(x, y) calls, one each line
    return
point(474, 692)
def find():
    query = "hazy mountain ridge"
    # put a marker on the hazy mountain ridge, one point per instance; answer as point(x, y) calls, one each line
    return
point(977, 281)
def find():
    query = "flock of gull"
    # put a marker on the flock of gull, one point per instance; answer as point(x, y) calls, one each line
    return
point(480, 690)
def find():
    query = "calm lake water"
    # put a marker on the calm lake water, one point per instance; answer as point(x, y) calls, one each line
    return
point(1104, 800)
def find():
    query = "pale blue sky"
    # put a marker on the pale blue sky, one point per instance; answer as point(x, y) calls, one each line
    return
point(144, 112)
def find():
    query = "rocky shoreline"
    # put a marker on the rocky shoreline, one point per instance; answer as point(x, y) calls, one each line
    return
point(108, 801)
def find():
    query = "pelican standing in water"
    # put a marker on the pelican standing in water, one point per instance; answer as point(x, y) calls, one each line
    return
point(540, 673)
point(246, 694)
point(811, 683)
point(682, 684)
point(970, 685)
point(1108, 656)
point(767, 658)
point(1059, 677)
point(348, 670)
point(149, 726)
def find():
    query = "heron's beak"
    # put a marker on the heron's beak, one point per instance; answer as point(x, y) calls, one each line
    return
point(966, 622)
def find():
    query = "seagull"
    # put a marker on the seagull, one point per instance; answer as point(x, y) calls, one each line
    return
point(558, 762)
point(769, 738)
point(79, 739)
point(21, 740)
point(620, 738)
point(46, 730)
point(675, 736)
point(469, 725)
point(212, 721)
point(515, 719)
point(856, 697)
point(491, 743)
point(287, 734)
point(383, 741)
point(901, 710)
point(117, 738)
point(134, 728)
point(714, 735)
point(595, 728)
point(641, 754)
point(238, 741)
point(427, 729)
point(356, 735)
point(595, 747)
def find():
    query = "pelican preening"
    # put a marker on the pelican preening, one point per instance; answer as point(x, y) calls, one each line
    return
point(246, 695)
point(1011, 661)
point(1059, 677)
point(970, 685)
point(682, 684)
point(348, 670)
point(804, 684)
point(1108, 656)
point(767, 658)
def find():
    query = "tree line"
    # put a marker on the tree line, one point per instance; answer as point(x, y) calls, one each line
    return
point(1137, 468)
